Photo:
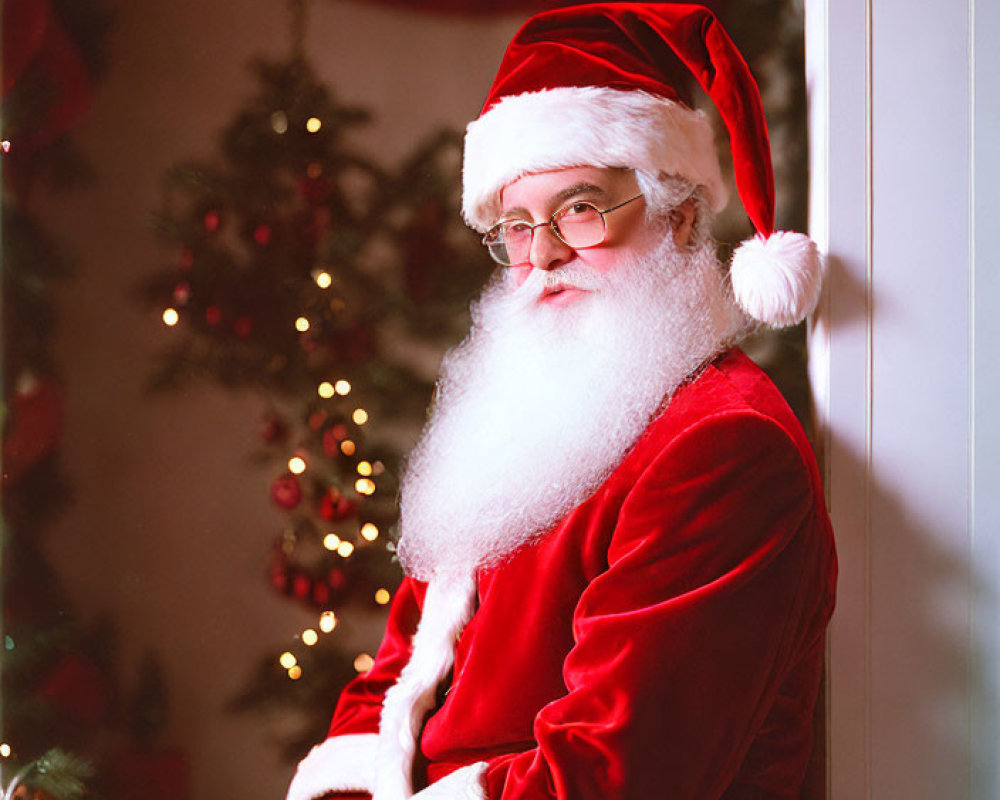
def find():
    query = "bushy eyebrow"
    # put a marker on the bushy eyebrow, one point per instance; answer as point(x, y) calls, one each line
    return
point(559, 198)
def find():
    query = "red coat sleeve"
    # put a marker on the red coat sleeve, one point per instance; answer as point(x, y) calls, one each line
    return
point(344, 764)
point(718, 583)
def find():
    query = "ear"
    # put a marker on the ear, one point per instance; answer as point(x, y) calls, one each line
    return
point(682, 222)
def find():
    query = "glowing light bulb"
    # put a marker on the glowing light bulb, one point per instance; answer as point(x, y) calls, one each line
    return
point(313, 124)
point(347, 447)
point(170, 317)
point(309, 637)
point(324, 279)
point(5, 145)
point(5, 750)
point(364, 486)
point(279, 122)
point(295, 672)
point(296, 465)
point(345, 549)
point(369, 532)
point(342, 387)
point(331, 541)
point(360, 416)
point(382, 596)
point(364, 662)
point(287, 660)
point(364, 468)
point(327, 621)
point(301, 324)
point(325, 390)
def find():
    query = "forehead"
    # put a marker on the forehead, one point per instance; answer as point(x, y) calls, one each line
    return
point(543, 189)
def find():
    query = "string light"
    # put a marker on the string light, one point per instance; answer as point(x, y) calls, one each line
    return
point(342, 387)
point(369, 532)
point(364, 662)
point(347, 447)
point(287, 660)
point(5, 144)
point(279, 122)
point(331, 541)
point(323, 279)
point(313, 124)
point(364, 468)
point(360, 416)
point(301, 324)
point(325, 390)
point(295, 672)
point(309, 637)
point(327, 621)
point(296, 465)
point(364, 486)
point(382, 596)
point(345, 549)
point(5, 750)
point(170, 317)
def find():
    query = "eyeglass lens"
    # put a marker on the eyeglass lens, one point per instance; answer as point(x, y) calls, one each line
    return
point(578, 225)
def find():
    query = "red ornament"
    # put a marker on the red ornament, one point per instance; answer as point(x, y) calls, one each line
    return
point(331, 443)
point(335, 507)
point(212, 221)
point(242, 327)
point(337, 579)
point(316, 419)
point(301, 586)
point(182, 292)
point(213, 315)
point(286, 492)
point(262, 235)
point(272, 428)
point(320, 594)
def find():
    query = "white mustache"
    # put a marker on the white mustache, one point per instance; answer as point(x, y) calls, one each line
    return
point(571, 276)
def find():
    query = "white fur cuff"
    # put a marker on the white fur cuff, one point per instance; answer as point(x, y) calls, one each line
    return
point(340, 764)
point(465, 783)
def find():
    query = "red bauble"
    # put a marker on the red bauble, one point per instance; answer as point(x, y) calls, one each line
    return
point(213, 315)
point(331, 443)
point(212, 221)
point(272, 428)
point(337, 579)
point(334, 506)
point(242, 327)
point(320, 593)
point(286, 492)
point(262, 235)
point(302, 586)
point(182, 293)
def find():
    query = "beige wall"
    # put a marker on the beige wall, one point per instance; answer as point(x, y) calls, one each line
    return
point(170, 526)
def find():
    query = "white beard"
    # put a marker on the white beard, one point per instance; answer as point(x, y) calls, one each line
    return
point(539, 404)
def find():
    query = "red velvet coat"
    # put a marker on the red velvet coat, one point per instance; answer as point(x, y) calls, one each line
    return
point(665, 640)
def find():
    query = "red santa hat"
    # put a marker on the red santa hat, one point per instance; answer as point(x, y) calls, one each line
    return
point(602, 85)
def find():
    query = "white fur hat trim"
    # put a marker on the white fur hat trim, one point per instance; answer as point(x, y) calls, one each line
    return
point(777, 280)
point(584, 126)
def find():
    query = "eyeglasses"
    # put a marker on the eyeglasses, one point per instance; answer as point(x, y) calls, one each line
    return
point(578, 225)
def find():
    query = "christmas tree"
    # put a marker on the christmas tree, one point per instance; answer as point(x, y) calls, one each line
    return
point(306, 272)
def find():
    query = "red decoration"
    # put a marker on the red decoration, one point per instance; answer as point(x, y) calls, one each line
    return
point(212, 221)
point(331, 443)
point(272, 428)
point(337, 579)
point(316, 419)
point(301, 586)
point(34, 426)
point(335, 507)
point(262, 235)
point(286, 492)
point(213, 315)
point(320, 594)
point(242, 327)
point(182, 292)
point(77, 689)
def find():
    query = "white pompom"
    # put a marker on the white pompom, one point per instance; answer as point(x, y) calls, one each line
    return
point(777, 280)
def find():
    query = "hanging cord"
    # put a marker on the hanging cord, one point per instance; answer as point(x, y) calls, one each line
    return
point(299, 13)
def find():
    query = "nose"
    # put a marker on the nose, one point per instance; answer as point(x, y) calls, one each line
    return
point(548, 251)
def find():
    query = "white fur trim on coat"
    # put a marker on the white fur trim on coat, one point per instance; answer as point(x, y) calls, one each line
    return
point(777, 280)
point(584, 126)
point(340, 764)
point(448, 606)
point(465, 783)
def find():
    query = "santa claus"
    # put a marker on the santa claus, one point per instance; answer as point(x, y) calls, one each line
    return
point(619, 567)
